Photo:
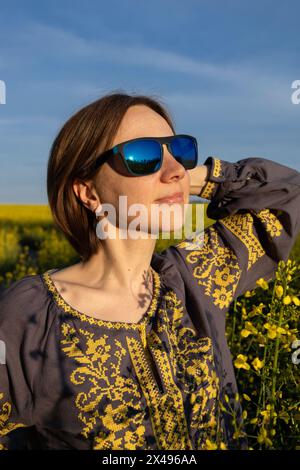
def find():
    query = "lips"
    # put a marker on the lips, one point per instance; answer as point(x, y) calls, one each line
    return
point(176, 197)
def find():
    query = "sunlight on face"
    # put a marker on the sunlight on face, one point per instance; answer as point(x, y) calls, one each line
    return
point(142, 121)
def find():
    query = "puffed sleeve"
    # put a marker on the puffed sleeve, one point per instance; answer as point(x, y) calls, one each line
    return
point(256, 205)
point(16, 398)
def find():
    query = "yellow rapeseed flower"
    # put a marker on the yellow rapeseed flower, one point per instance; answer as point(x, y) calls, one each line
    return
point(287, 300)
point(261, 282)
point(281, 330)
point(244, 313)
point(237, 434)
point(279, 291)
point(249, 328)
point(267, 412)
point(245, 333)
point(248, 293)
point(241, 362)
point(256, 310)
point(263, 438)
point(246, 397)
point(257, 363)
point(272, 330)
point(210, 445)
point(296, 300)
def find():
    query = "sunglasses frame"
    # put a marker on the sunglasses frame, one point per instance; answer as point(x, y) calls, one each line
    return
point(117, 151)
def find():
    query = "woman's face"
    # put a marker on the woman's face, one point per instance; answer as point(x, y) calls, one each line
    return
point(142, 121)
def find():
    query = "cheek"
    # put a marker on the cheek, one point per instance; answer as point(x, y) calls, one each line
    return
point(137, 192)
point(186, 187)
point(141, 190)
point(186, 179)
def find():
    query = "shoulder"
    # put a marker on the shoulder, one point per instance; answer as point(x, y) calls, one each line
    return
point(22, 287)
point(22, 299)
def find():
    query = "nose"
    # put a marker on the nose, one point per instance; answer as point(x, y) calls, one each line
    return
point(171, 168)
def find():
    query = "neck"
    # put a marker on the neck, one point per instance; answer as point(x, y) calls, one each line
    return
point(119, 263)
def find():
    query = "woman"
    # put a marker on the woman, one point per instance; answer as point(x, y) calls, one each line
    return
point(127, 349)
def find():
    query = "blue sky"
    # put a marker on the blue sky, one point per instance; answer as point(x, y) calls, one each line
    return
point(223, 68)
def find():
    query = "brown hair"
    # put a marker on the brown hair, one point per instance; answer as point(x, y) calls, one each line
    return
point(85, 135)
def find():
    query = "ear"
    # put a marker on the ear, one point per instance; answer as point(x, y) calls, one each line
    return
point(86, 194)
point(82, 191)
point(75, 186)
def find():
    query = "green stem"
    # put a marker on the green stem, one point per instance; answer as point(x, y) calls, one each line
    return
point(276, 354)
point(262, 391)
point(234, 321)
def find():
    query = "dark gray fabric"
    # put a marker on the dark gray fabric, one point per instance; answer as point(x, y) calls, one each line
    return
point(50, 368)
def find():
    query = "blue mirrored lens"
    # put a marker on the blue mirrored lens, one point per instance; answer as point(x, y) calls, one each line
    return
point(143, 156)
point(184, 149)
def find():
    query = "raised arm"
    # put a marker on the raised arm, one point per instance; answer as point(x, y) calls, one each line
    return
point(256, 205)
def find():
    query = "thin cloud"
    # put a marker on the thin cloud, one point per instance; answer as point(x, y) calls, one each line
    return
point(67, 45)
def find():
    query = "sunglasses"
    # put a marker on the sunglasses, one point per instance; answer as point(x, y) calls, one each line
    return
point(144, 155)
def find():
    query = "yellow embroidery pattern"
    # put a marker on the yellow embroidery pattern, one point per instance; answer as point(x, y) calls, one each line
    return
point(209, 187)
point(217, 167)
point(193, 365)
point(273, 225)
point(112, 407)
point(5, 425)
point(111, 401)
point(241, 225)
point(166, 410)
point(95, 321)
point(217, 268)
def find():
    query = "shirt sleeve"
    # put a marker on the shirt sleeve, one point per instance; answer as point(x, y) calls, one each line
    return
point(15, 381)
point(255, 202)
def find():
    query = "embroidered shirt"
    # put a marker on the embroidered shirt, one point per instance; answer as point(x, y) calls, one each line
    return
point(70, 381)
